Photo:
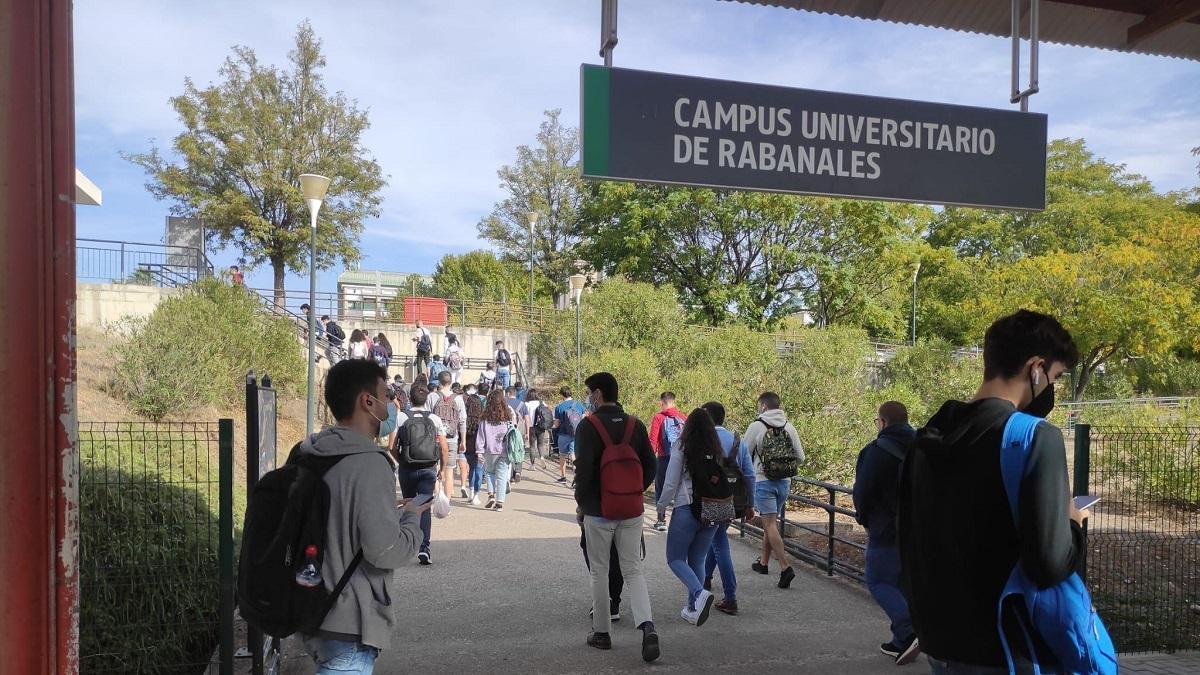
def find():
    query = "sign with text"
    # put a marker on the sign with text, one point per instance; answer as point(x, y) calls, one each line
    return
point(658, 128)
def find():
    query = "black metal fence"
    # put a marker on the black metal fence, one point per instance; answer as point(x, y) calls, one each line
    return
point(156, 545)
point(127, 262)
point(1143, 564)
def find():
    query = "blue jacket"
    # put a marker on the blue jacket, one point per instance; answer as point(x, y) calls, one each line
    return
point(877, 481)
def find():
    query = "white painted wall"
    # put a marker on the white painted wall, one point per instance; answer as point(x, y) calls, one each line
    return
point(99, 304)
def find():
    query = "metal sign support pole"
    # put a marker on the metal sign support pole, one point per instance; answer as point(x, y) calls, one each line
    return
point(608, 30)
point(1019, 96)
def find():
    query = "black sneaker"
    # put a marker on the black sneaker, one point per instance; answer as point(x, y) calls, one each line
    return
point(891, 650)
point(760, 568)
point(786, 576)
point(650, 650)
point(912, 649)
point(423, 557)
point(491, 502)
point(561, 479)
point(599, 640)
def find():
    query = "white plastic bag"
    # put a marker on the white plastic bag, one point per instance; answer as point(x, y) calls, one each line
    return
point(441, 503)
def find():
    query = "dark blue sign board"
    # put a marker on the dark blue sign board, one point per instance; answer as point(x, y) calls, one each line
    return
point(673, 129)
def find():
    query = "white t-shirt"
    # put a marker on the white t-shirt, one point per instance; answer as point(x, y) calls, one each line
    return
point(423, 331)
point(437, 421)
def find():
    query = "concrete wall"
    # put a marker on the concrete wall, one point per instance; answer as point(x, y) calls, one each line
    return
point(100, 304)
point(477, 343)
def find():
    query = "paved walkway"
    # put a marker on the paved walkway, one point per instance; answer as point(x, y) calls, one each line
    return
point(508, 593)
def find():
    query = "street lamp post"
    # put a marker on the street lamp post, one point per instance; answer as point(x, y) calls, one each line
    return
point(533, 216)
point(313, 187)
point(577, 282)
point(913, 323)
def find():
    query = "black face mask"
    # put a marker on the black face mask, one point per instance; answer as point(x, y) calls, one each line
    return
point(1042, 403)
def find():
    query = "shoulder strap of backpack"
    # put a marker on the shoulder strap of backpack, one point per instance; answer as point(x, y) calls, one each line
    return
point(604, 437)
point(891, 446)
point(1014, 456)
point(341, 584)
point(630, 425)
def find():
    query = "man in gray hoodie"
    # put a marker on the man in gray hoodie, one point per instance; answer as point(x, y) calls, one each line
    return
point(768, 438)
point(363, 516)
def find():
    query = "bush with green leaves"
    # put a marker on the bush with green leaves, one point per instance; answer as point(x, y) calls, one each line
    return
point(925, 375)
point(195, 349)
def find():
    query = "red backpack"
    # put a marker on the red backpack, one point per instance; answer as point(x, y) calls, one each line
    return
point(621, 487)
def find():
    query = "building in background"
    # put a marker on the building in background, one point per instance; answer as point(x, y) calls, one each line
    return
point(363, 294)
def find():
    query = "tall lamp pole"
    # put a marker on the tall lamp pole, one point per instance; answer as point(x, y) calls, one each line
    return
point(313, 187)
point(913, 323)
point(577, 282)
point(533, 216)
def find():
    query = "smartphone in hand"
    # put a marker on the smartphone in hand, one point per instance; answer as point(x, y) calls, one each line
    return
point(1083, 502)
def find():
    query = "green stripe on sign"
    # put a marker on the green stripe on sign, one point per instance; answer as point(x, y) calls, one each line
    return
point(595, 120)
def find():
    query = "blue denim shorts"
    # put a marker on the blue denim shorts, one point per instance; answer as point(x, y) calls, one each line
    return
point(566, 445)
point(770, 495)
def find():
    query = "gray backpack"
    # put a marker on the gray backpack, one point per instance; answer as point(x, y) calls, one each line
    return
point(416, 441)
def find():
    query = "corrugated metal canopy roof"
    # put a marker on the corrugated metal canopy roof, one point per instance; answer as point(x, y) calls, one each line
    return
point(1159, 27)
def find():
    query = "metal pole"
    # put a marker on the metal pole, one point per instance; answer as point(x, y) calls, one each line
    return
point(254, 637)
point(312, 330)
point(225, 543)
point(1083, 466)
point(829, 554)
point(916, 273)
point(39, 485)
point(578, 344)
point(1033, 53)
point(608, 30)
point(1016, 50)
point(530, 268)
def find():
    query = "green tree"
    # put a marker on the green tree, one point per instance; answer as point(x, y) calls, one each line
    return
point(755, 257)
point(544, 179)
point(481, 275)
point(247, 139)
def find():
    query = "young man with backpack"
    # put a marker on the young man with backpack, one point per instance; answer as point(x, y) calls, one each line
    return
point(567, 416)
point(615, 464)
point(334, 336)
point(983, 504)
point(876, 481)
point(423, 453)
point(719, 555)
point(503, 361)
point(775, 448)
point(541, 421)
point(342, 609)
point(452, 411)
point(424, 345)
point(665, 428)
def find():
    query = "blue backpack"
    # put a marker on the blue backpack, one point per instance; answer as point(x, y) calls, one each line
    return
point(672, 429)
point(1063, 615)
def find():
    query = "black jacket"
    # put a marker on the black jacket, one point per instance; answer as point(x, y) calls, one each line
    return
point(876, 481)
point(957, 539)
point(589, 449)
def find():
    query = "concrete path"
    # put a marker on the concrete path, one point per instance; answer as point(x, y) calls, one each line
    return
point(508, 592)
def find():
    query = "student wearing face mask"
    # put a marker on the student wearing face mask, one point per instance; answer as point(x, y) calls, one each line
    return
point(367, 537)
point(958, 538)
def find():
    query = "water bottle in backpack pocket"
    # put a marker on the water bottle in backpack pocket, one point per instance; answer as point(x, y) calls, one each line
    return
point(1063, 614)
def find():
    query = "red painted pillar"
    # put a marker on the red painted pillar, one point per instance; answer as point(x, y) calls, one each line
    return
point(39, 526)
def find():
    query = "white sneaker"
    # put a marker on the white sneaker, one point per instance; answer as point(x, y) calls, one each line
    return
point(698, 616)
point(465, 493)
point(475, 499)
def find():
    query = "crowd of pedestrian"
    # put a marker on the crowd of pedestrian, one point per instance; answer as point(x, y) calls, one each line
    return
point(966, 518)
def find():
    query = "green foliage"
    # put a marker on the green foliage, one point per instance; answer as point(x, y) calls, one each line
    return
point(544, 179)
point(755, 258)
point(196, 348)
point(247, 139)
point(148, 552)
point(481, 275)
point(925, 375)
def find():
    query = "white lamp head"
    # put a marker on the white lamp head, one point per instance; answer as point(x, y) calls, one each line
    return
point(577, 282)
point(533, 217)
point(313, 187)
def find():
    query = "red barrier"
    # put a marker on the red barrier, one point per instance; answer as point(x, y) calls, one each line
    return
point(431, 311)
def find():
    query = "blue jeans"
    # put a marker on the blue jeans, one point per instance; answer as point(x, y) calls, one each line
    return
point(503, 376)
point(475, 473)
point(660, 477)
point(498, 468)
point(719, 556)
point(687, 548)
point(337, 656)
point(415, 482)
point(883, 581)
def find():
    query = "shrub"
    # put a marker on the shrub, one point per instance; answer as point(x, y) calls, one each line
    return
point(925, 375)
point(196, 348)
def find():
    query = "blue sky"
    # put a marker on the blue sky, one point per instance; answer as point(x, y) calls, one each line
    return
point(453, 86)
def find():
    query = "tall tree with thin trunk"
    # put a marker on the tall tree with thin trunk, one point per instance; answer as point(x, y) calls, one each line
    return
point(247, 139)
point(544, 179)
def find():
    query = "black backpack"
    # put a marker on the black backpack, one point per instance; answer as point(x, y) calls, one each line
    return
point(502, 358)
point(288, 511)
point(416, 441)
point(713, 490)
point(543, 418)
point(424, 345)
point(737, 480)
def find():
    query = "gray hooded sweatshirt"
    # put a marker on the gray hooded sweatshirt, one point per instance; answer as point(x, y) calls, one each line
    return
point(757, 430)
point(362, 515)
